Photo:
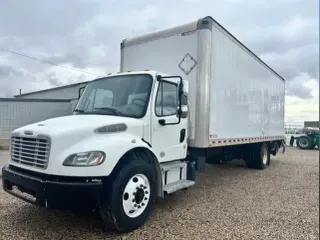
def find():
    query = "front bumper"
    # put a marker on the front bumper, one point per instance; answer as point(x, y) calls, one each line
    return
point(55, 192)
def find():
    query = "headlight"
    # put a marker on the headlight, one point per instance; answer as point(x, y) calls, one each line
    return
point(92, 158)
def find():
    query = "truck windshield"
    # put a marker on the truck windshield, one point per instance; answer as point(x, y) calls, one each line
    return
point(125, 95)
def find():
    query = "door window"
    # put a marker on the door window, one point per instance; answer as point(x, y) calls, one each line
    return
point(166, 99)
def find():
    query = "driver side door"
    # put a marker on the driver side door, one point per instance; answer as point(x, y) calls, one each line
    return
point(168, 141)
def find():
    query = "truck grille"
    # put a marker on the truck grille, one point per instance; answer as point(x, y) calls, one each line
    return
point(30, 151)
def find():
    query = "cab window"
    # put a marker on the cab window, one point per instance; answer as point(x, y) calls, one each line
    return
point(166, 99)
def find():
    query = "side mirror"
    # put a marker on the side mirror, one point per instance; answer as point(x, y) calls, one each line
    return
point(81, 91)
point(185, 87)
point(184, 99)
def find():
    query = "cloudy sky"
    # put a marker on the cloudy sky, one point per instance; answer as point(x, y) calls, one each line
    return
point(85, 34)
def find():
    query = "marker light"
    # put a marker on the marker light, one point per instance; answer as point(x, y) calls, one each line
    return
point(111, 128)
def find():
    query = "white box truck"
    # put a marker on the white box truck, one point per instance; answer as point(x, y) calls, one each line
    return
point(140, 134)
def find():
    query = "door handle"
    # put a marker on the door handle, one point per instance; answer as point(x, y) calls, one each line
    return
point(182, 135)
point(162, 122)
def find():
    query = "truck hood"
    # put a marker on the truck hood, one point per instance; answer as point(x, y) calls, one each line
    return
point(76, 133)
point(79, 124)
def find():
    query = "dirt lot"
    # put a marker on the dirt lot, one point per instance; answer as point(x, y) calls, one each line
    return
point(228, 202)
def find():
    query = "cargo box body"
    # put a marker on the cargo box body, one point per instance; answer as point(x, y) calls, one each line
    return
point(234, 97)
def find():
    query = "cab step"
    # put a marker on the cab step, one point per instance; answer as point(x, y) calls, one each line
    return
point(175, 186)
point(177, 175)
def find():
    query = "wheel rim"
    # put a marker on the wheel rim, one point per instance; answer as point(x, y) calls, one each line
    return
point(136, 195)
point(303, 142)
point(265, 156)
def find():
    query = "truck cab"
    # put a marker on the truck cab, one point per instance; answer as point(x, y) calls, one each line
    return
point(148, 98)
point(124, 146)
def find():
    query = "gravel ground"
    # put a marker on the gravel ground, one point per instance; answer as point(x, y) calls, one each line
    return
point(228, 202)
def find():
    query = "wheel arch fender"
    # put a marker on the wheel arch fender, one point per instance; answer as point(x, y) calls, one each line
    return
point(142, 148)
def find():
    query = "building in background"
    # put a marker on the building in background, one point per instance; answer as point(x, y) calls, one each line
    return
point(311, 124)
point(69, 92)
point(36, 106)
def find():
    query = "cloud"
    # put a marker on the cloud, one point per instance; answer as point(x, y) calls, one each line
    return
point(75, 60)
point(303, 109)
point(304, 59)
point(87, 34)
point(300, 87)
point(6, 71)
point(12, 79)
point(53, 80)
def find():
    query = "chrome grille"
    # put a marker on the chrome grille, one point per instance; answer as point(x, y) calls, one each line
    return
point(30, 151)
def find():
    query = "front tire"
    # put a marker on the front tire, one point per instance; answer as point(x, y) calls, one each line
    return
point(128, 201)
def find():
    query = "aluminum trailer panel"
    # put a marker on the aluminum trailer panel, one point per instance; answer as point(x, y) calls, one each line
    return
point(234, 97)
point(246, 96)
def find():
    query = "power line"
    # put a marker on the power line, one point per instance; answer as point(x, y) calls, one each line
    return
point(47, 62)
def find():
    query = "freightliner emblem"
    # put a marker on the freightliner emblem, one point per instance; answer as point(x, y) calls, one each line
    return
point(28, 132)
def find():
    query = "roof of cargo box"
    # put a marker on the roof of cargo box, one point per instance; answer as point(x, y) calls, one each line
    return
point(202, 23)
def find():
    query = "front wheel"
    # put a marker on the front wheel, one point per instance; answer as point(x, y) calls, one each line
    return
point(129, 201)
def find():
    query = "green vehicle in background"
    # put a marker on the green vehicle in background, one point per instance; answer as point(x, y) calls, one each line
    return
point(308, 140)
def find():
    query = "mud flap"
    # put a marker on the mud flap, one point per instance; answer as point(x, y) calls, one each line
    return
point(283, 146)
point(292, 141)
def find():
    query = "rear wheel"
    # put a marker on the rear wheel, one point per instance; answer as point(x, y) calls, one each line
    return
point(291, 141)
point(305, 142)
point(128, 202)
point(257, 156)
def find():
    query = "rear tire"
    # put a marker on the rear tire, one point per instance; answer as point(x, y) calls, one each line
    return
point(257, 156)
point(291, 141)
point(129, 199)
point(305, 142)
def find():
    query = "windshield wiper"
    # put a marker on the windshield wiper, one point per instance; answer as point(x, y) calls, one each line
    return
point(78, 110)
point(114, 111)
